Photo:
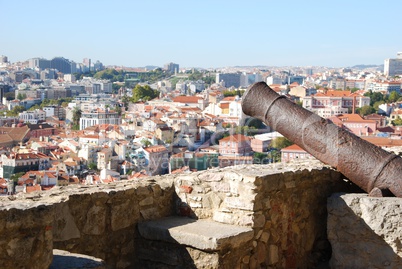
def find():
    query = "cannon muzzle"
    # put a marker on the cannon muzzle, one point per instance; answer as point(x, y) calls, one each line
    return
point(373, 169)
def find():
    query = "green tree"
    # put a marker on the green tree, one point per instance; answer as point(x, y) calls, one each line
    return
point(107, 74)
point(77, 112)
point(32, 108)
point(374, 97)
point(9, 96)
point(196, 75)
point(144, 93)
point(16, 176)
point(280, 143)
point(260, 158)
point(233, 93)
point(366, 110)
point(397, 122)
point(377, 104)
point(119, 110)
point(146, 143)
point(92, 166)
point(393, 96)
point(21, 96)
point(209, 80)
point(15, 111)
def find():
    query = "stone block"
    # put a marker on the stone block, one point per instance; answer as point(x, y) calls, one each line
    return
point(365, 232)
point(96, 220)
point(239, 203)
point(200, 234)
point(273, 254)
point(147, 201)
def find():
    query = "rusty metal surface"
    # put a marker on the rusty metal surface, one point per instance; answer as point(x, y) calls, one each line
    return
point(365, 164)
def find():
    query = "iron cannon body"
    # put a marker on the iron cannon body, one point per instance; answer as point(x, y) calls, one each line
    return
point(373, 169)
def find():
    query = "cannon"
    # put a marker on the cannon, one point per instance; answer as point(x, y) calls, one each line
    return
point(373, 169)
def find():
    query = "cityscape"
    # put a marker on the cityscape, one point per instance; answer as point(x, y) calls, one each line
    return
point(85, 123)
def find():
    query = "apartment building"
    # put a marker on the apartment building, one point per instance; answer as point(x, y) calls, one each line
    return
point(384, 86)
point(235, 145)
point(33, 117)
point(334, 102)
point(99, 116)
point(393, 67)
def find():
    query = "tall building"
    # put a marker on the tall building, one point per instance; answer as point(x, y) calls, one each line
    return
point(63, 65)
point(229, 79)
point(87, 64)
point(3, 90)
point(172, 67)
point(393, 67)
point(40, 63)
point(3, 59)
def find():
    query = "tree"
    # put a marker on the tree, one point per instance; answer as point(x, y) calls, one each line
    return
point(393, 96)
point(374, 97)
point(260, 158)
point(196, 75)
point(15, 111)
point(280, 143)
point(9, 96)
point(15, 177)
point(21, 96)
point(76, 118)
point(366, 110)
point(92, 166)
point(144, 93)
point(397, 122)
point(146, 143)
point(377, 104)
point(233, 93)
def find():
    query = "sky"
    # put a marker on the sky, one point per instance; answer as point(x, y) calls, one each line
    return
point(207, 34)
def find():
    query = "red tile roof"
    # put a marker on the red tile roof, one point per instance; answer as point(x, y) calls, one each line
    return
point(235, 138)
point(157, 148)
point(293, 148)
point(353, 118)
point(187, 99)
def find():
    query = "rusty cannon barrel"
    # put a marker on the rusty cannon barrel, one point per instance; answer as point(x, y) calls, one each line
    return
point(373, 169)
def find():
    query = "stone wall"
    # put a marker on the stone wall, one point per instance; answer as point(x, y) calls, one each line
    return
point(99, 221)
point(284, 204)
point(365, 232)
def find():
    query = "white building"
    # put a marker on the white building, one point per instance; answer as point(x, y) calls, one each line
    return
point(384, 86)
point(99, 116)
point(393, 67)
point(274, 80)
point(33, 117)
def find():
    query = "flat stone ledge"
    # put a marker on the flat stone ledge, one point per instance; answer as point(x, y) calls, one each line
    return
point(65, 260)
point(205, 235)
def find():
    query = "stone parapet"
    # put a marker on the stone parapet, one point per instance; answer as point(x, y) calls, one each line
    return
point(365, 232)
point(282, 205)
point(99, 221)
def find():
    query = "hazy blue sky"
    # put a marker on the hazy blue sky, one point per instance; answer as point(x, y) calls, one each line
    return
point(203, 33)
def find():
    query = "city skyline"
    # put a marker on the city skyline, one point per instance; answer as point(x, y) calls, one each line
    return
point(207, 34)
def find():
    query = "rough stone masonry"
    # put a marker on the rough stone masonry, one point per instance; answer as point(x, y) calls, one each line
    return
point(284, 206)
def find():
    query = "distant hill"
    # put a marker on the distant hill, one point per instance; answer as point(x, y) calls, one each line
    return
point(365, 66)
point(151, 67)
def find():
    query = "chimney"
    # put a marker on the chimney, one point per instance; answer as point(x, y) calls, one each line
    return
point(354, 105)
